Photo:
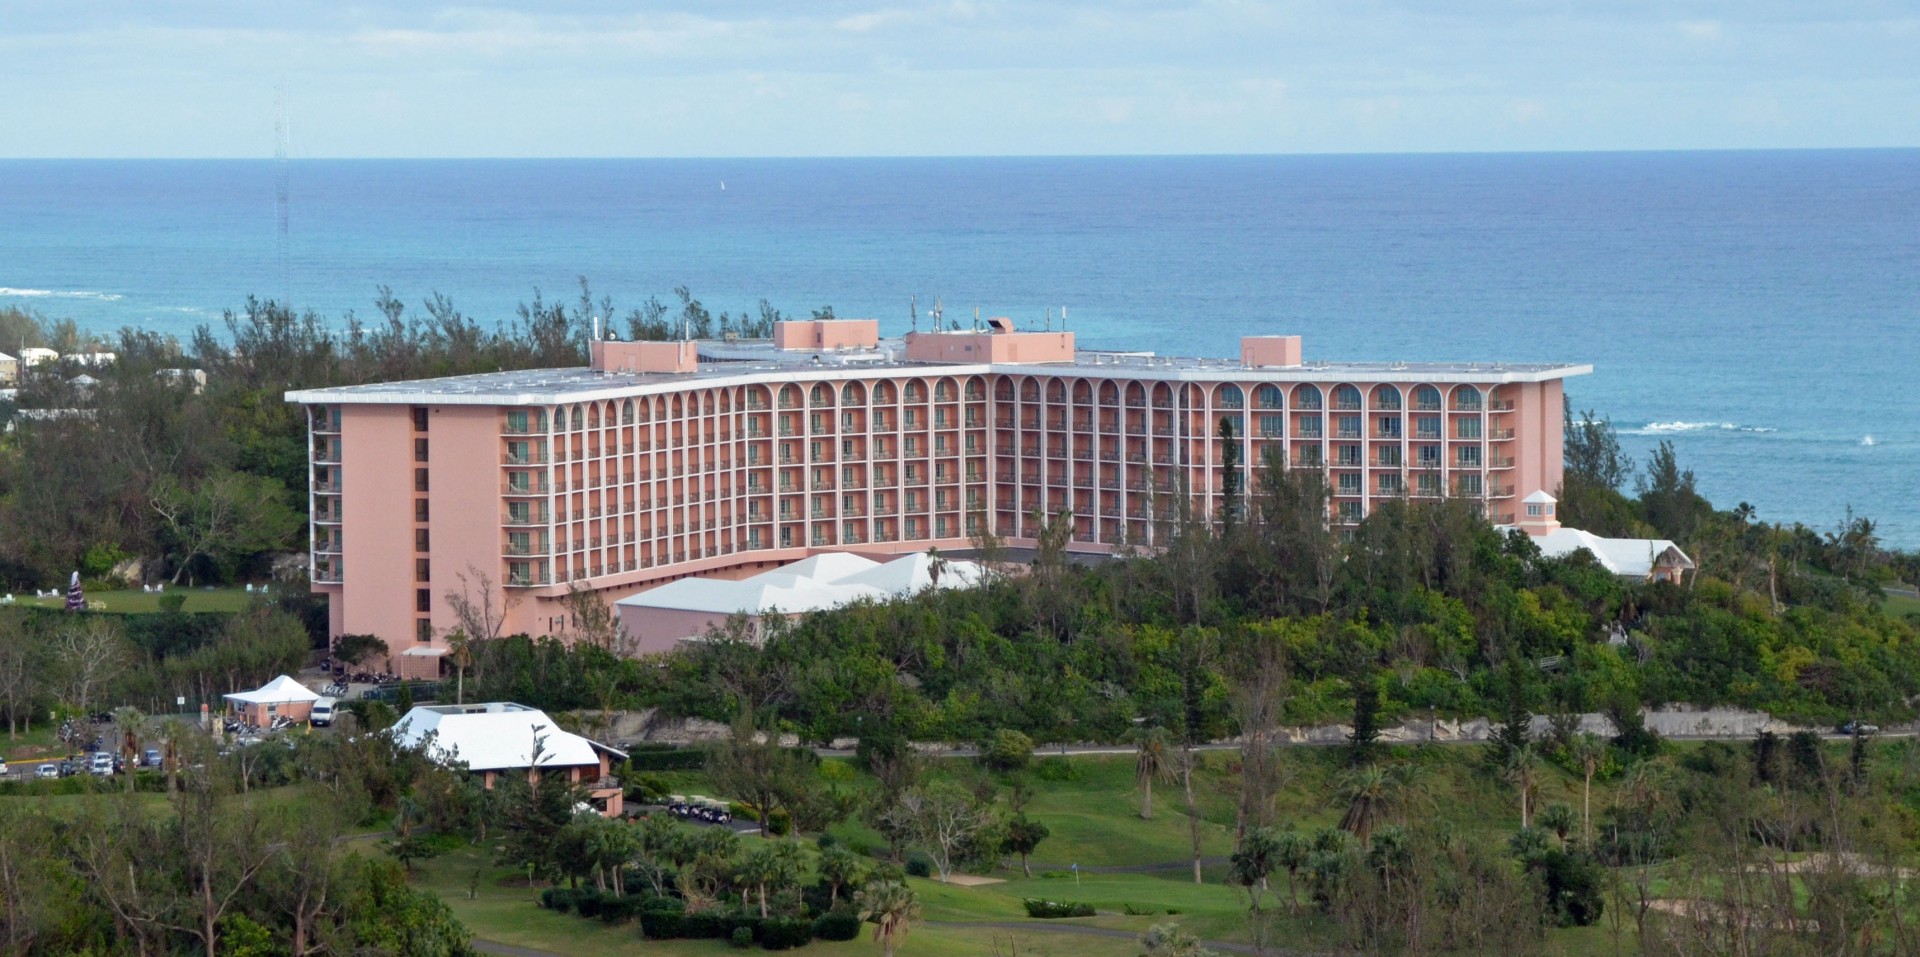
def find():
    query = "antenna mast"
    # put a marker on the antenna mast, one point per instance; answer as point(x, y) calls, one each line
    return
point(280, 193)
point(913, 312)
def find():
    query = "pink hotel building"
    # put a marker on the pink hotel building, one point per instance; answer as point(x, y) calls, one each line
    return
point(662, 460)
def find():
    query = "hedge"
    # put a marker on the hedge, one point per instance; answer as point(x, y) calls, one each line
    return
point(837, 925)
point(676, 759)
point(1045, 908)
point(785, 933)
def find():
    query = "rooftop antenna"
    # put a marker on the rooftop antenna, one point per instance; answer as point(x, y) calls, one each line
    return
point(280, 192)
point(913, 312)
point(976, 318)
point(1063, 318)
point(937, 310)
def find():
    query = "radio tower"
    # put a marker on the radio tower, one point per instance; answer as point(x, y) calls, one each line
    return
point(280, 193)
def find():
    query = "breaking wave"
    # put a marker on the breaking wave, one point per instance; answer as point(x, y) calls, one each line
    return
point(1671, 428)
point(59, 294)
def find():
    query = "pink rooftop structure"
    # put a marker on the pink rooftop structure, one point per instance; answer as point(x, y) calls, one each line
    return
point(664, 460)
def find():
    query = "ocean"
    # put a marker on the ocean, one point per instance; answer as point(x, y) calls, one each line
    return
point(1761, 310)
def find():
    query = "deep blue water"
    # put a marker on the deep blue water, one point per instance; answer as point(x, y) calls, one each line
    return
point(1761, 309)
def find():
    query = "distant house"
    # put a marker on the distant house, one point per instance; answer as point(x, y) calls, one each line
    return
point(194, 379)
point(503, 738)
point(94, 359)
point(660, 618)
point(1636, 559)
point(282, 697)
point(9, 369)
point(35, 355)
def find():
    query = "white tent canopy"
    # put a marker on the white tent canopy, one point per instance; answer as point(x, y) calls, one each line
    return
point(494, 737)
point(811, 584)
point(281, 690)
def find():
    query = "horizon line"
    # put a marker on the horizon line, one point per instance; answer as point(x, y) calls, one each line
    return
point(982, 156)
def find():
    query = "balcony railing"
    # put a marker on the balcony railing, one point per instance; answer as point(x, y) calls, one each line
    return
point(529, 580)
point(531, 458)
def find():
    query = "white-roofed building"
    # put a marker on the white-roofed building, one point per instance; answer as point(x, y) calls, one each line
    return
point(9, 369)
point(282, 697)
point(660, 618)
point(1638, 559)
point(502, 737)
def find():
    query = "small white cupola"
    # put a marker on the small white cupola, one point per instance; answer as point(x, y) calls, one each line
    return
point(1537, 514)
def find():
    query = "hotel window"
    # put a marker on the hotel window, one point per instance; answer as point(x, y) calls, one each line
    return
point(1389, 426)
point(520, 543)
point(1533, 510)
point(913, 418)
point(846, 447)
point(1467, 456)
point(579, 419)
point(1349, 511)
point(420, 540)
point(1346, 397)
point(422, 600)
point(1349, 484)
point(913, 445)
point(1466, 428)
point(419, 450)
point(419, 480)
point(1308, 427)
point(422, 569)
point(1468, 485)
point(913, 499)
point(423, 631)
point(1390, 485)
point(626, 412)
point(1386, 398)
point(1269, 397)
point(1347, 454)
point(1430, 456)
point(1426, 397)
point(1428, 483)
point(786, 537)
point(1466, 399)
point(419, 419)
point(1387, 455)
point(1349, 426)
point(913, 528)
point(1427, 426)
point(849, 502)
point(419, 509)
point(1273, 426)
point(813, 422)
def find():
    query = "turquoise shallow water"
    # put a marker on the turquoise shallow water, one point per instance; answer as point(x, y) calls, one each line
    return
point(1760, 309)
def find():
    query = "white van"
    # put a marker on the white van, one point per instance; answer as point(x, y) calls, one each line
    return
point(322, 712)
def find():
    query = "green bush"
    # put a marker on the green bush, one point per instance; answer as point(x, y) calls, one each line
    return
point(615, 909)
point(837, 925)
point(741, 939)
point(1047, 909)
point(706, 924)
point(785, 933)
point(588, 902)
point(919, 866)
point(1054, 769)
point(1006, 750)
point(559, 899)
point(658, 922)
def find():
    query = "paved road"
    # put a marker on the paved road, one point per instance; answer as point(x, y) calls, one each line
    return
point(509, 950)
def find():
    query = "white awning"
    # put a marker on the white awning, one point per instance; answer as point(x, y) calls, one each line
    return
point(423, 652)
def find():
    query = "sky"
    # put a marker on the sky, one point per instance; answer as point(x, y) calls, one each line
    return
point(577, 78)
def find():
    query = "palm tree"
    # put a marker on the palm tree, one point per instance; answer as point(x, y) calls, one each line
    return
point(1522, 770)
point(839, 867)
point(460, 649)
point(131, 723)
point(1369, 792)
point(1253, 862)
point(1291, 852)
point(1588, 751)
point(891, 907)
point(1152, 761)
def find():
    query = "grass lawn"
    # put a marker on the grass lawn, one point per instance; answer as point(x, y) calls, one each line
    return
point(134, 601)
point(1900, 606)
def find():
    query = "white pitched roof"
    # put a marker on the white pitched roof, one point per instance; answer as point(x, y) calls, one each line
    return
point(281, 690)
point(913, 573)
point(827, 580)
point(1626, 557)
point(494, 737)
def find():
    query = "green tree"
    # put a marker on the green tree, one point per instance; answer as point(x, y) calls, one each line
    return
point(223, 517)
point(1588, 753)
point(1153, 761)
point(840, 867)
point(1024, 834)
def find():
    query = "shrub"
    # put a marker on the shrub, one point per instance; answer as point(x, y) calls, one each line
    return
point(588, 902)
point(560, 899)
point(1054, 769)
point(706, 924)
point(918, 866)
point(660, 923)
point(785, 933)
point(1050, 909)
point(667, 759)
point(741, 939)
point(826, 840)
point(1006, 750)
point(837, 925)
point(615, 909)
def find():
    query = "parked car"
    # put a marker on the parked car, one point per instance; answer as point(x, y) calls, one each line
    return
point(151, 758)
point(70, 767)
point(1859, 727)
point(102, 764)
point(46, 771)
point(4, 770)
point(322, 715)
